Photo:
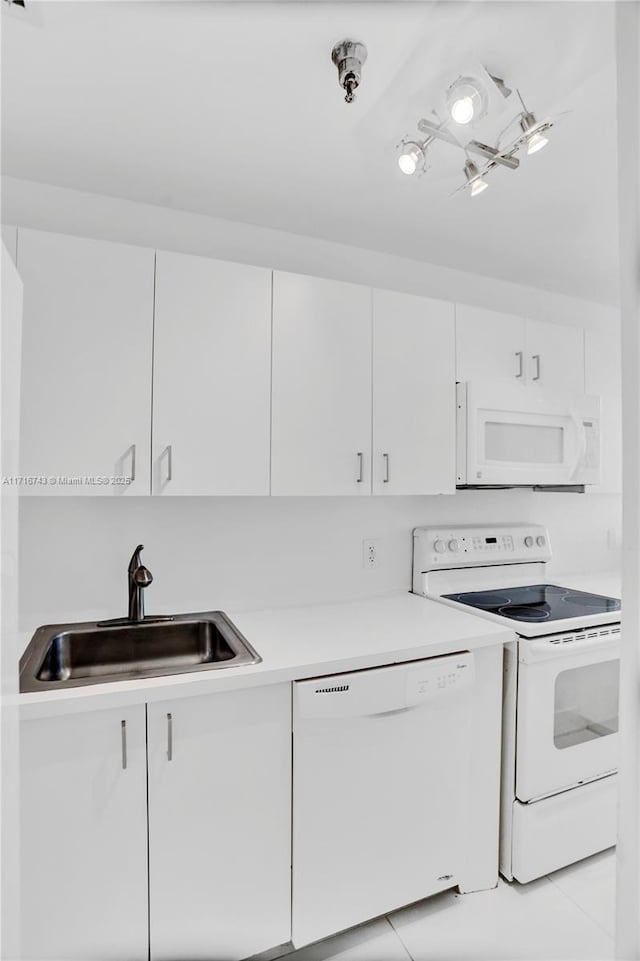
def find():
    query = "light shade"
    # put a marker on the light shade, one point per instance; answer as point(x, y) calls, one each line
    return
point(475, 182)
point(466, 100)
point(534, 137)
point(537, 142)
point(411, 157)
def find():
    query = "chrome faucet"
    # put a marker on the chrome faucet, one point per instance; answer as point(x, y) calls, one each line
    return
point(139, 578)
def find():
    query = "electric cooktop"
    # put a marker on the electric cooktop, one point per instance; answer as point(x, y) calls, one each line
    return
point(537, 602)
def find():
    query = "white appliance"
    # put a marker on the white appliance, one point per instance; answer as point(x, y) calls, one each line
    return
point(561, 674)
point(382, 762)
point(524, 436)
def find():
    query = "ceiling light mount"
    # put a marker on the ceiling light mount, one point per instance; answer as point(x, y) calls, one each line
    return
point(349, 57)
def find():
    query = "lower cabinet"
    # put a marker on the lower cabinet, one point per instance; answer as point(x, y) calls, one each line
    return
point(158, 833)
point(84, 836)
point(220, 824)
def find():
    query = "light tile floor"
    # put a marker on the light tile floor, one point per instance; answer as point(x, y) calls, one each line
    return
point(568, 916)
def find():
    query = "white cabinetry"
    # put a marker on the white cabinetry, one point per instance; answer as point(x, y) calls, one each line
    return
point(219, 824)
point(604, 379)
point(489, 346)
point(508, 349)
point(211, 377)
point(84, 843)
point(413, 395)
point(86, 378)
point(555, 356)
point(321, 387)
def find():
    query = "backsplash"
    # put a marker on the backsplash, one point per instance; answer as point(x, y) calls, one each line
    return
point(249, 553)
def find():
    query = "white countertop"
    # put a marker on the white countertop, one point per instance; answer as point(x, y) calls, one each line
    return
point(299, 642)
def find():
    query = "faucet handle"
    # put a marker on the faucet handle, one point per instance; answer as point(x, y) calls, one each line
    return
point(135, 561)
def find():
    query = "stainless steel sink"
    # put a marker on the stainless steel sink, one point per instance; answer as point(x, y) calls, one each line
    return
point(70, 655)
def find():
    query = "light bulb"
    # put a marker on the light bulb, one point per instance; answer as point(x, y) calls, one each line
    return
point(478, 186)
point(410, 158)
point(462, 110)
point(466, 100)
point(537, 142)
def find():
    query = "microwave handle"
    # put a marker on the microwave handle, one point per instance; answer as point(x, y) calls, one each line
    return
point(582, 445)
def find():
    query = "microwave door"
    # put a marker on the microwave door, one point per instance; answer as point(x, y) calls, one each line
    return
point(521, 439)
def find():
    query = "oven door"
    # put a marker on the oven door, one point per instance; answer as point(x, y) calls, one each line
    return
point(567, 710)
point(525, 436)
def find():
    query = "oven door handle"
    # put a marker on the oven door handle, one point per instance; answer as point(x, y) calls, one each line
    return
point(581, 436)
point(600, 648)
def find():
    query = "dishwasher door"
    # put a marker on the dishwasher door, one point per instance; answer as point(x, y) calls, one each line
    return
point(381, 790)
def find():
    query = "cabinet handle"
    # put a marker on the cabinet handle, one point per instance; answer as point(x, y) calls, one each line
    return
point(520, 363)
point(169, 452)
point(386, 465)
point(170, 737)
point(360, 466)
point(133, 462)
point(536, 358)
point(123, 729)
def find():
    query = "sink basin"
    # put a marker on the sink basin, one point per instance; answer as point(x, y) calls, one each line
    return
point(71, 655)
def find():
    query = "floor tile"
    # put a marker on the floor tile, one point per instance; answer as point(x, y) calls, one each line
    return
point(591, 884)
point(532, 922)
point(376, 941)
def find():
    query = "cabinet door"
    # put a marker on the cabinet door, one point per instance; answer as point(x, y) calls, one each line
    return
point(86, 379)
point(555, 357)
point(220, 824)
point(84, 844)
point(321, 400)
point(604, 379)
point(489, 346)
point(413, 395)
point(211, 377)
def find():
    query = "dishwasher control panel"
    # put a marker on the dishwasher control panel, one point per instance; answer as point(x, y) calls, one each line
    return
point(438, 676)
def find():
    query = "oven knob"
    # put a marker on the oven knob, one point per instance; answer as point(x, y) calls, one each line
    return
point(453, 545)
point(540, 541)
point(528, 541)
point(440, 546)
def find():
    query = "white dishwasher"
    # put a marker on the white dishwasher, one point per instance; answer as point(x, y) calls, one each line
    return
point(381, 790)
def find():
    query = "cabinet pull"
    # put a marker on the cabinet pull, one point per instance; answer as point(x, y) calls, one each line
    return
point(386, 466)
point(133, 462)
point(170, 737)
point(520, 363)
point(169, 452)
point(360, 456)
point(536, 358)
point(123, 735)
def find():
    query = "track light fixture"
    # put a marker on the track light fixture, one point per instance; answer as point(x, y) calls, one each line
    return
point(475, 181)
point(467, 101)
point(412, 156)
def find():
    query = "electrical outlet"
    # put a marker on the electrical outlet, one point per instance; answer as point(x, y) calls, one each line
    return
point(370, 554)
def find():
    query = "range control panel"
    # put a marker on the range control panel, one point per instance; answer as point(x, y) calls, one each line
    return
point(440, 548)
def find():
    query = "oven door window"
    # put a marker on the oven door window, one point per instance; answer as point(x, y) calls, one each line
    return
point(586, 703)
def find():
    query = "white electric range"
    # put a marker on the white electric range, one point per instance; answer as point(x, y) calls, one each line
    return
point(561, 673)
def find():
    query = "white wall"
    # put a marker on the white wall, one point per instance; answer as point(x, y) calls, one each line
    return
point(247, 553)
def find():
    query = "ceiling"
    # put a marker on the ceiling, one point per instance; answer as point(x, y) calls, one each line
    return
point(233, 110)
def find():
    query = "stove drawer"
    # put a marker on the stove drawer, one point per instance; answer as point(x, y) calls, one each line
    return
point(549, 834)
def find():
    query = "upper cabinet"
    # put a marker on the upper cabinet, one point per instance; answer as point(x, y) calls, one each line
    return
point(211, 377)
point(603, 362)
point(489, 346)
point(508, 349)
point(86, 373)
point(321, 390)
point(413, 395)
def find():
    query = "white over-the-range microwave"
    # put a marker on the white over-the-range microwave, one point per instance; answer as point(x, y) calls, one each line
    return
point(526, 437)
